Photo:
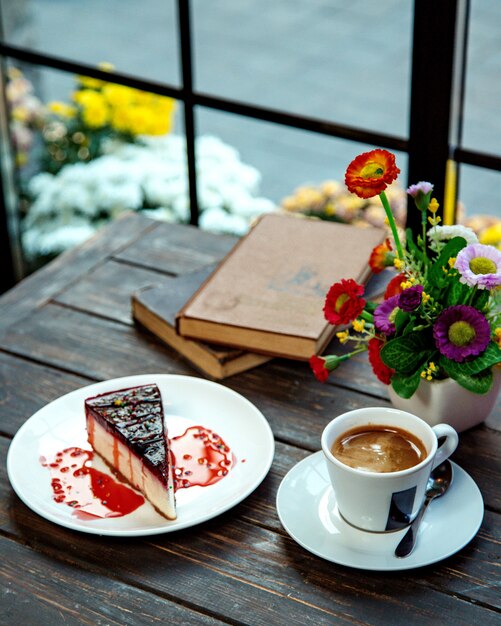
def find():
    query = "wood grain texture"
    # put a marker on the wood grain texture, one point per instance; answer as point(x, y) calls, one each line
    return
point(54, 277)
point(25, 387)
point(233, 551)
point(176, 249)
point(54, 592)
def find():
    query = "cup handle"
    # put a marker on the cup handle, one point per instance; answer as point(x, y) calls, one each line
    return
point(449, 445)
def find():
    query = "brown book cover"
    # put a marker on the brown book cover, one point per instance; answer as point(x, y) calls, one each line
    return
point(267, 294)
point(155, 308)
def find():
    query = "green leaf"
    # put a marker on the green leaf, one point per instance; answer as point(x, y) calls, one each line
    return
point(411, 246)
point(408, 354)
point(370, 307)
point(401, 319)
point(458, 294)
point(489, 357)
point(480, 299)
point(405, 386)
point(478, 383)
point(437, 275)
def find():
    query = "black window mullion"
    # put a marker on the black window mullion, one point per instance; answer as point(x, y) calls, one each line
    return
point(185, 43)
point(431, 96)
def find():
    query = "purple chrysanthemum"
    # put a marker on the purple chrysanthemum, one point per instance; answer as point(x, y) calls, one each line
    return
point(460, 332)
point(384, 316)
point(422, 187)
point(480, 266)
point(410, 298)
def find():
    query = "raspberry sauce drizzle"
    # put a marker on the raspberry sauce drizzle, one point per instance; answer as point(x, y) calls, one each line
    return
point(90, 492)
point(199, 458)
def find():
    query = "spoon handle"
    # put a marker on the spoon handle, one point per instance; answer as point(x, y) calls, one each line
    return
point(408, 541)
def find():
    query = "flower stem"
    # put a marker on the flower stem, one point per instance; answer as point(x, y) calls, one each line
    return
point(393, 226)
point(423, 223)
point(368, 317)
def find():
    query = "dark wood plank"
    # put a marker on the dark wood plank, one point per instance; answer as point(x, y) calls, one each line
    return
point(107, 290)
point(53, 592)
point(44, 284)
point(479, 453)
point(255, 567)
point(89, 346)
point(177, 249)
point(26, 387)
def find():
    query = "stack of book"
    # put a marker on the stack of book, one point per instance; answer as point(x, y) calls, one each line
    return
point(264, 299)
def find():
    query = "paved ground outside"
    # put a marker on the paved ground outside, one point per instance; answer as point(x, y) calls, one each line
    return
point(348, 62)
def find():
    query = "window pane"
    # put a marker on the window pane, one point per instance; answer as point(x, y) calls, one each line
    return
point(479, 191)
point(286, 159)
point(482, 126)
point(348, 62)
point(89, 154)
point(138, 38)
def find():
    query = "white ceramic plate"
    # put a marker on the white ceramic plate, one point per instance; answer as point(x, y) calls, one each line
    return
point(187, 401)
point(307, 508)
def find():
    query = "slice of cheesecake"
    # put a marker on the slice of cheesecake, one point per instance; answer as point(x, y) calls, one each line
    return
point(126, 428)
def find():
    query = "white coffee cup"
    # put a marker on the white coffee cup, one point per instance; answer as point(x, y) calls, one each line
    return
point(384, 501)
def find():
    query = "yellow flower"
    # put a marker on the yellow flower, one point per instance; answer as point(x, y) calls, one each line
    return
point(430, 371)
point(290, 204)
point(95, 111)
point(343, 336)
point(425, 297)
point(451, 261)
point(139, 120)
point(398, 263)
point(89, 83)
point(434, 221)
point(497, 336)
point(330, 209)
point(62, 109)
point(433, 206)
point(144, 97)
point(118, 95)
point(491, 236)
point(20, 114)
point(120, 119)
point(358, 325)
point(406, 284)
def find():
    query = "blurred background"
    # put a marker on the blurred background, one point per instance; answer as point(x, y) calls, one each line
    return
point(347, 63)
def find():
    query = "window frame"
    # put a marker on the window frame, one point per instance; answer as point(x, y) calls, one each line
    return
point(440, 31)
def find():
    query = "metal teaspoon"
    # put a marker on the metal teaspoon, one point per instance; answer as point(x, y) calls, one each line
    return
point(438, 483)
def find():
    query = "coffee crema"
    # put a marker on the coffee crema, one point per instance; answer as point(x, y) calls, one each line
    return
point(378, 448)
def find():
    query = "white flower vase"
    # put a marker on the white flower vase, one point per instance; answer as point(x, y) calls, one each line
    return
point(446, 402)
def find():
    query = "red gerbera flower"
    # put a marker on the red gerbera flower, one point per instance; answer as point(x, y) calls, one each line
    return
point(382, 371)
point(371, 172)
point(393, 288)
point(343, 303)
point(381, 257)
point(317, 364)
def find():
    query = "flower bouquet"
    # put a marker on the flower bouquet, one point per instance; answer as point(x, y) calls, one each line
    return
point(440, 316)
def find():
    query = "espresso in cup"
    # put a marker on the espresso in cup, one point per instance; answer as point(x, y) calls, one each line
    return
point(379, 448)
point(379, 460)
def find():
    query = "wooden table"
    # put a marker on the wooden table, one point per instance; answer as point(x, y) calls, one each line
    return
point(69, 325)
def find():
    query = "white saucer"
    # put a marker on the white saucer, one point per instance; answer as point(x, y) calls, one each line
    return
point(307, 508)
